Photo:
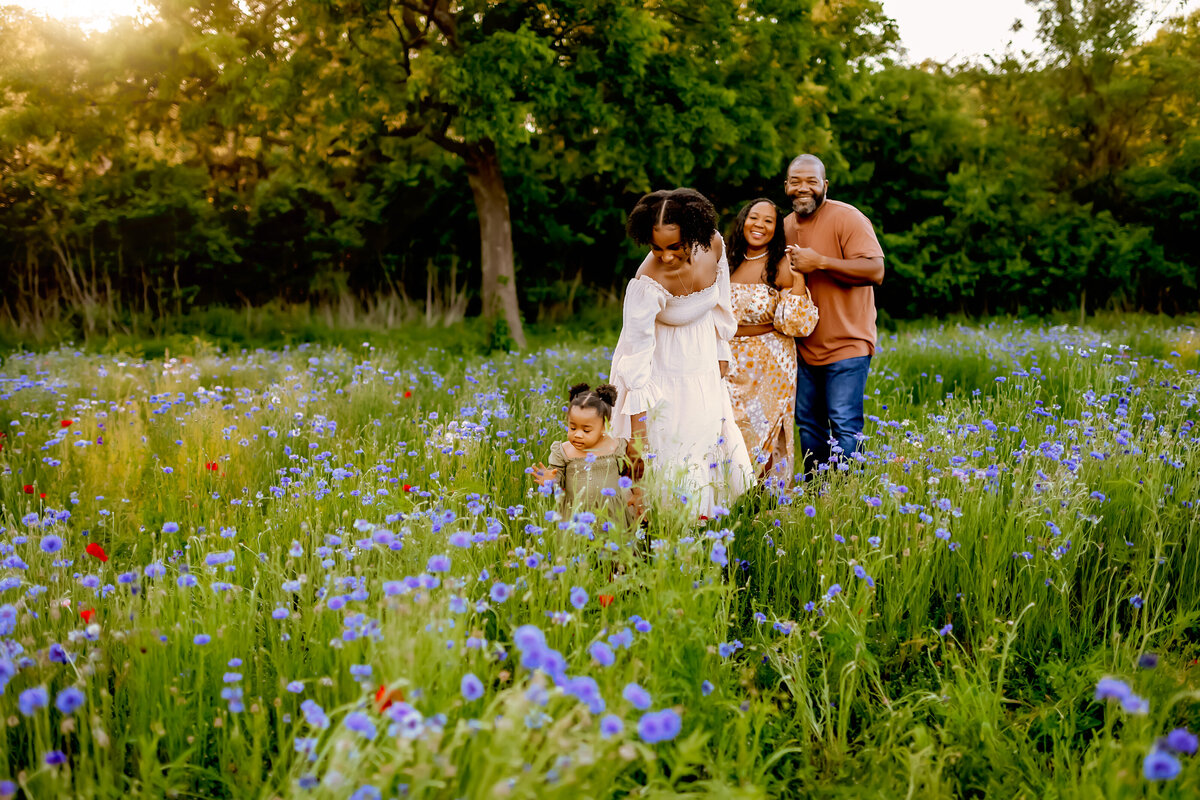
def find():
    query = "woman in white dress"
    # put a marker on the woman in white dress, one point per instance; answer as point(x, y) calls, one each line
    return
point(673, 352)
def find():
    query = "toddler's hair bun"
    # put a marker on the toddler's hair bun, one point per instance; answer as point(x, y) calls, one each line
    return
point(607, 392)
point(576, 390)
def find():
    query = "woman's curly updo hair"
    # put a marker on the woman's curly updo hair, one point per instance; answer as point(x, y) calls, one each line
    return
point(601, 399)
point(776, 248)
point(687, 208)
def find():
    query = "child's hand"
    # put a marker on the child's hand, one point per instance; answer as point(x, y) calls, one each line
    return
point(637, 501)
point(543, 474)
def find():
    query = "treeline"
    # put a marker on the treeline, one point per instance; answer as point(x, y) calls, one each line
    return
point(481, 156)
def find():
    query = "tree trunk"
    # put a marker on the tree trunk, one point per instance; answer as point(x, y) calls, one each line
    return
point(499, 291)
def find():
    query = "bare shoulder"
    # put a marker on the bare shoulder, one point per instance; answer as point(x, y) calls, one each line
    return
point(705, 263)
point(716, 245)
point(646, 265)
point(783, 274)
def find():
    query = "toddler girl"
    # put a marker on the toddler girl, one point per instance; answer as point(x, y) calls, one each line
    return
point(590, 463)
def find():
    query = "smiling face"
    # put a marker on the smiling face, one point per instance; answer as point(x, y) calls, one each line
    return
point(667, 246)
point(806, 187)
point(760, 226)
point(585, 427)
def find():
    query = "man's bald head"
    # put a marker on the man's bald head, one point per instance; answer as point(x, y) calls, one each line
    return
point(808, 159)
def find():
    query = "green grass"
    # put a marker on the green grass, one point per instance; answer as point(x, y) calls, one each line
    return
point(1022, 484)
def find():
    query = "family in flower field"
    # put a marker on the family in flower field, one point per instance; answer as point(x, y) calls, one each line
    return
point(723, 344)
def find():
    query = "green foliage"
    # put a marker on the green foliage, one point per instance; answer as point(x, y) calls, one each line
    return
point(242, 152)
point(1062, 462)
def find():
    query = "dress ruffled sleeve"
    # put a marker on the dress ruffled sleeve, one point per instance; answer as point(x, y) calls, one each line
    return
point(796, 314)
point(726, 322)
point(558, 459)
point(632, 359)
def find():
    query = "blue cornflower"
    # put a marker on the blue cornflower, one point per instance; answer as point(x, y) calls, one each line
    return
point(718, 555)
point(439, 563)
point(706, 688)
point(1136, 705)
point(367, 792)
point(946, 629)
point(529, 637)
point(834, 591)
point(58, 654)
point(295, 687)
point(471, 687)
point(579, 597)
point(611, 725)
point(859, 572)
point(659, 726)
point(155, 570)
point(201, 639)
point(726, 649)
point(51, 543)
point(642, 626)
point(809, 511)
point(602, 653)
point(361, 724)
point(1181, 740)
point(69, 700)
point(314, 715)
point(1112, 689)
point(500, 592)
point(214, 559)
point(54, 758)
point(622, 638)
point(1160, 766)
point(170, 527)
point(1136, 601)
point(31, 700)
point(638, 697)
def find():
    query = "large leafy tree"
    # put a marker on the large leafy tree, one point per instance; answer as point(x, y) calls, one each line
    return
point(570, 89)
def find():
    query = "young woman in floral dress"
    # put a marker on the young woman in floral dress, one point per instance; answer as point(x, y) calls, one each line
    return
point(772, 306)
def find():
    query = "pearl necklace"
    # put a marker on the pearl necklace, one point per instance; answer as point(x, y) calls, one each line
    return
point(757, 257)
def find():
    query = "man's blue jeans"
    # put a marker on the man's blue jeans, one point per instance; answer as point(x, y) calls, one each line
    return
point(829, 405)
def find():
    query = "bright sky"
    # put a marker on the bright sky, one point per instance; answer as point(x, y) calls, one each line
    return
point(942, 30)
point(958, 30)
point(92, 15)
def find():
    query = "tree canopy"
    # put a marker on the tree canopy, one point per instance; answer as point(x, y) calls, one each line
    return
point(237, 152)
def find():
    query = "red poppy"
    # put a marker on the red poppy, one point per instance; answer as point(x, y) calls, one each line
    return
point(96, 551)
point(28, 488)
point(385, 697)
point(88, 614)
point(42, 495)
point(407, 395)
point(66, 423)
point(605, 600)
point(211, 466)
point(407, 487)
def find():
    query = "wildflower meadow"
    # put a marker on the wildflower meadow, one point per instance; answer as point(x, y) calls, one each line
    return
point(316, 572)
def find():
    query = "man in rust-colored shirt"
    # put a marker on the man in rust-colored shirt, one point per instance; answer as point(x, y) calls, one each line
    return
point(833, 245)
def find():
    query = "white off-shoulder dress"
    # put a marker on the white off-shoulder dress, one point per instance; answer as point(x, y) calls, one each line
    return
point(666, 365)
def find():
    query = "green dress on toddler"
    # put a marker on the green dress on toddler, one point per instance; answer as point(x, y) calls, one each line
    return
point(583, 480)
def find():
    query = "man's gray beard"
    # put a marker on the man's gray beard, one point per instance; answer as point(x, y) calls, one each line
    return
point(810, 205)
